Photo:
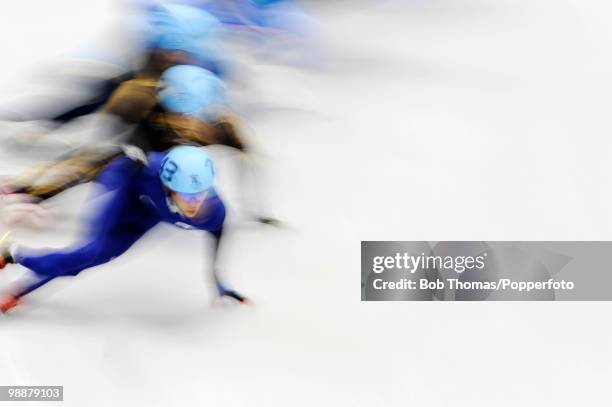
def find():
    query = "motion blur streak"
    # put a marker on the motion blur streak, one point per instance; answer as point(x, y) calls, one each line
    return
point(400, 120)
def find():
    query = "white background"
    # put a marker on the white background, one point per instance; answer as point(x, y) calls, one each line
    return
point(428, 120)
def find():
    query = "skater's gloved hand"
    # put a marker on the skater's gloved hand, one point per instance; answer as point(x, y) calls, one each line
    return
point(225, 292)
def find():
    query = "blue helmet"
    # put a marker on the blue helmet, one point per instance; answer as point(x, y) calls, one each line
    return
point(187, 170)
point(191, 90)
point(185, 28)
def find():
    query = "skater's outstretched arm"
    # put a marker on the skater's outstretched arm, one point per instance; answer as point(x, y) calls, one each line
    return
point(222, 287)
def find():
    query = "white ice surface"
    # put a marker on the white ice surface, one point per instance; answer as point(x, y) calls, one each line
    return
point(433, 120)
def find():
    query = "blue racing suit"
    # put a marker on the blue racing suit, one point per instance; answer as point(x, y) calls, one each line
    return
point(138, 203)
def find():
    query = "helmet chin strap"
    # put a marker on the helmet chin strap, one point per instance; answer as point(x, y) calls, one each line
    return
point(172, 206)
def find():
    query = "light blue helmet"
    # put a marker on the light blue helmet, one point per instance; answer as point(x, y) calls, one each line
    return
point(185, 28)
point(191, 90)
point(187, 170)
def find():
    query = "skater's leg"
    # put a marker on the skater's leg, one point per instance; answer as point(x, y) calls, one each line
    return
point(49, 266)
point(72, 261)
point(81, 168)
point(119, 223)
point(46, 181)
point(10, 301)
point(23, 197)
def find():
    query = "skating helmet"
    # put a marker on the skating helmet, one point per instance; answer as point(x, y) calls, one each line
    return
point(184, 28)
point(187, 170)
point(191, 90)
